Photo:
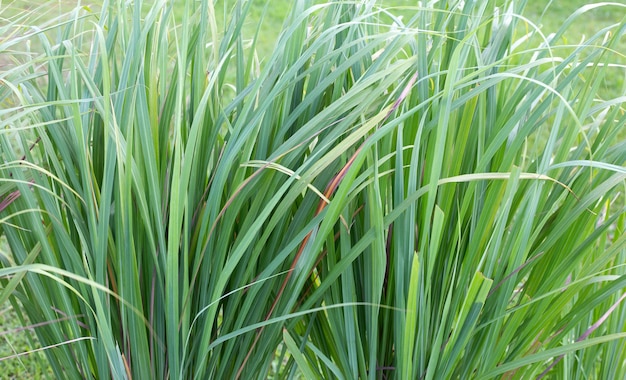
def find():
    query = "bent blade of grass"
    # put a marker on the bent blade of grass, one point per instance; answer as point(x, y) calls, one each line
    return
point(551, 353)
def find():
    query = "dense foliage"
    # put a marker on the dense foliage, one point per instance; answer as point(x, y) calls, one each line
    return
point(432, 197)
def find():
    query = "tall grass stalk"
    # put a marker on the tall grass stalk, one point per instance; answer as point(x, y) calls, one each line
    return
point(435, 197)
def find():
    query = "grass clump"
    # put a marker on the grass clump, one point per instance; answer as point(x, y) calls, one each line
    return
point(438, 197)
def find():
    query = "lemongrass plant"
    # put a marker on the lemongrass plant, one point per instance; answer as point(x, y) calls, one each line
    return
point(433, 197)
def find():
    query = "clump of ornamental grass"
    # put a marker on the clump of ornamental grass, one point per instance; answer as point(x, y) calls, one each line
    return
point(437, 196)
